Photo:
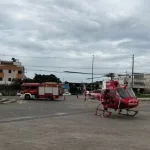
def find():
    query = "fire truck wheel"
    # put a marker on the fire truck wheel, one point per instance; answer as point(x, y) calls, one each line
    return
point(27, 97)
point(49, 98)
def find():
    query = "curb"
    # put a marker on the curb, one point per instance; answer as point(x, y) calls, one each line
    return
point(10, 101)
point(6, 101)
point(3, 100)
point(145, 100)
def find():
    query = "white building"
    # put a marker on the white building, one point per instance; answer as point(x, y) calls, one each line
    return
point(141, 81)
point(10, 70)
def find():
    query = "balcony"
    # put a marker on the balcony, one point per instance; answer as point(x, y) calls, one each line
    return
point(139, 85)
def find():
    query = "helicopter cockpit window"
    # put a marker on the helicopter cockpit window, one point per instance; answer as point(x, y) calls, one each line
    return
point(130, 91)
point(123, 93)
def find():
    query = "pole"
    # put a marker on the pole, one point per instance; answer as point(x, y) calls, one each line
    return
point(126, 77)
point(132, 70)
point(92, 70)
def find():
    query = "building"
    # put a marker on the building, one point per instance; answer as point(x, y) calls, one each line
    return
point(66, 87)
point(141, 82)
point(10, 70)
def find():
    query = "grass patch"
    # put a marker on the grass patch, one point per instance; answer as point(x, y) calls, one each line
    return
point(142, 96)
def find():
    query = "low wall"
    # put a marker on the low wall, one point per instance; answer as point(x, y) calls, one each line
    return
point(144, 99)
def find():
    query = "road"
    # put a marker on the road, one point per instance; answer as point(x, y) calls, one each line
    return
point(71, 125)
point(41, 108)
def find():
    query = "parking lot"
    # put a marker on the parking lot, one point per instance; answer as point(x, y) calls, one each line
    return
point(70, 125)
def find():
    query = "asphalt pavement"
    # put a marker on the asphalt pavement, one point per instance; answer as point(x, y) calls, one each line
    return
point(22, 109)
point(71, 125)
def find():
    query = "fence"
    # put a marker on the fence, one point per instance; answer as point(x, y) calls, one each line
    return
point(9, 90)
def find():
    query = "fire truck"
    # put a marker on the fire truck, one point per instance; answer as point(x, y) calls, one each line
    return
point(47, 90)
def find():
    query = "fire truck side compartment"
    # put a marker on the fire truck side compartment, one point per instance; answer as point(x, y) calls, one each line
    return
point(55, 91)
point(41, 91)
point(48, 90)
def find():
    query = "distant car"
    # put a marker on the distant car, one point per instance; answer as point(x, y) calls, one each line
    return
point(94, 94)
point(67, 93)
point(18, 94)
point(87, 92)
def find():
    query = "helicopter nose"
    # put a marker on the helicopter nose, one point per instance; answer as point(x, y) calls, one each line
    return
point(133, 102)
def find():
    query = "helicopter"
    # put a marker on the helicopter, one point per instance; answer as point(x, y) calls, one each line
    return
point(116, 96)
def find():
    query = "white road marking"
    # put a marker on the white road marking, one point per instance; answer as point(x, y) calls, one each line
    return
point(60, 114)
point(3, 99)
point(32, 117)
point(21, 101)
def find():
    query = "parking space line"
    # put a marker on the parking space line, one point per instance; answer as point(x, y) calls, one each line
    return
point(42, 116)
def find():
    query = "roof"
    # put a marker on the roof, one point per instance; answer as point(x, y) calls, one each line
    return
point(38, 84)
point(6, 62)
point(31, 84)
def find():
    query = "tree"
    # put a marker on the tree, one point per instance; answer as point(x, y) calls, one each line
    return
point(66, 82)
point(17, 81)
point(20, 81)
point(46, 78)
point(13, 59)
point(28, 80)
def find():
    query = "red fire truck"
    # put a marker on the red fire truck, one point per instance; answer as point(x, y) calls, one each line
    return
point(47, 90)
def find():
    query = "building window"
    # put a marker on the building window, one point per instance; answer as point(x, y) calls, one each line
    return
point(9, 79)
point(9, 71)
point(1, 79)
point(1, 70)
point(19, 72)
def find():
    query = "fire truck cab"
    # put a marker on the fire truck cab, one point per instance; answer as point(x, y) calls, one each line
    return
point(47, 90)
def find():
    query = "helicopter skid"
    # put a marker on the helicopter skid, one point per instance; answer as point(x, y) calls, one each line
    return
point(102, 112)
point(130, 113)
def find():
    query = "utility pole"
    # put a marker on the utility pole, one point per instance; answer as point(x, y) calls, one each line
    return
point(126, 76)
point(132, 70)
point(92, 70)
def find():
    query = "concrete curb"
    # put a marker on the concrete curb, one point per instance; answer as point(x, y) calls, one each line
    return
point(144, 99)
point(6, 101)
point(3, 100)
point(141, 99)
point(10, 101)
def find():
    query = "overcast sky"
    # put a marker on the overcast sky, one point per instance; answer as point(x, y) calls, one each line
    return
point(74, 30)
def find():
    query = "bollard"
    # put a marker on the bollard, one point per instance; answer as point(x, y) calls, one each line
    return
point(85, 97)
point(64, 98)
point(77, 97)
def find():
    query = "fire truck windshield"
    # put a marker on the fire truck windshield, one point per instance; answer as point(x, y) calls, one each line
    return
point(28, 87)
point(24, 87)
point(123, 93)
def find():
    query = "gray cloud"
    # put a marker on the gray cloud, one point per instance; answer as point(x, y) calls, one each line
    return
point(111, 30)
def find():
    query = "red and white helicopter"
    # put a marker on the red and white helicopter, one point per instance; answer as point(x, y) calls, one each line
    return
point(116, 96)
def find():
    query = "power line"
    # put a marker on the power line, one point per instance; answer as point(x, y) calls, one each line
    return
point(54, 57)
point(39, 57)
point(44, 70)
point(68, 72)
point(61, 67)
point(73, 67)
point(95, 77)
